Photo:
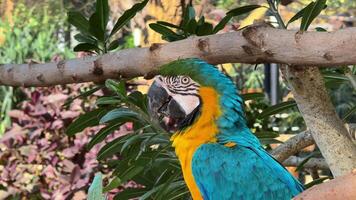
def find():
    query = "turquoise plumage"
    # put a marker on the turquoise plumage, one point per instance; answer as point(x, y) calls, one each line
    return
point(244, 171)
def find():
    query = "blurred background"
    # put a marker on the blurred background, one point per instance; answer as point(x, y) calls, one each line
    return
point(37, 160)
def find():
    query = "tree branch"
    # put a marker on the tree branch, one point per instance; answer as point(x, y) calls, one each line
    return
point(254, 44)
point(293, 146)
point(318, 163)
point(315, 105)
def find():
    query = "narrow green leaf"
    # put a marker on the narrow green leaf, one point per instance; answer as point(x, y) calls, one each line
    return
point(95, 27)
point(349, 114)
point(95, 191)
point(320, 29)
point(311, 13)
point(102, 8)
point(118, 88)
point(119, 113)
point(116, 182)
point(85, 39)
point(169, 25)
point(113, 45)
point(127, 16)
point(104, 132)
point(131, 172)
point(85, 47)
point(266, 134)
point(164, 31)
point(253, 96)
point(79, 21)
point(129, 142)
point(83, 95)
point(130, 193)
point(277, 109)
point(221, 25)
point(107, 101)
point(205, 29)
point(300, 14)
point(242, 10)
point(191, 26)
point(86, 120)
point(112, 147)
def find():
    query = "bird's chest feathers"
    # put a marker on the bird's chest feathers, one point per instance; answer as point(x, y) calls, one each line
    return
point(202, 131)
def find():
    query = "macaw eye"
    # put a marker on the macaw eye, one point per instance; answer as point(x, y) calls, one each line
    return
point(185, 80)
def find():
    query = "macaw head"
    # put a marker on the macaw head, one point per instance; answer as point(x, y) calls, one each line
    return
point(184, 86)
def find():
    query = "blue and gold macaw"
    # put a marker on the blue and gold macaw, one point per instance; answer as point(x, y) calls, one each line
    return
point(221, 159)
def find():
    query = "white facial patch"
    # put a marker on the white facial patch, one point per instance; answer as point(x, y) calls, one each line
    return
point(187, 102)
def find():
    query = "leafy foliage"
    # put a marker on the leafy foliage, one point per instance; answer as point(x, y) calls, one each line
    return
point(93, 36)
point(190, 26)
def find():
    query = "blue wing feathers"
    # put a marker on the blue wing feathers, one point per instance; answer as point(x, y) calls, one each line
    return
point(224, 173)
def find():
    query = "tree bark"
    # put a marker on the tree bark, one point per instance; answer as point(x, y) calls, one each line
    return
point(254, 44)
point(293, 146)
point(317, 163)
point(329, 132)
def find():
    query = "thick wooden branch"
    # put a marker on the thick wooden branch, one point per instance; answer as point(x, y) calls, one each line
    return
point(293, 146)
point(254, 44)
point(328, 130)
point(318, 163)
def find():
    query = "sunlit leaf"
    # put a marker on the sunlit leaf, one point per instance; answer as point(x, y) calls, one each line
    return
point(242, 10)
point(311, 13)
point(95, 191)
point(127, 16)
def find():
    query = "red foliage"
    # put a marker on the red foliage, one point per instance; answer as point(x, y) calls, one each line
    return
point(37, 158)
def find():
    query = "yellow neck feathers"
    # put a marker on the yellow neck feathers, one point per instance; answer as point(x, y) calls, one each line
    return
point(201, 132)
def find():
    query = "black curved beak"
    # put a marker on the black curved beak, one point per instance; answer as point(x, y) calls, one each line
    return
point(161, 103)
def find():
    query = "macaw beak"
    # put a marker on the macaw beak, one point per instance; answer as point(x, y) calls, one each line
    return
point(160, 102)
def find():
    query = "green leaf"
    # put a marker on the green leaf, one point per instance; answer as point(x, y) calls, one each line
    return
point(102, 9)
point(104, 132)
point(205, 29)
point(189, 13)
point(95, 27)
point(221, 25)
point(349, 114)
point(320, 29)
point(113, 45)
point(86, 47)
point(130, 141)
point(127, 16)
point(130, 172)
point(164, 31)
point(300, 14)
point(83, 94)
point(95, 191)
point(86, 120)
point(119, 113)
point(277, 109)
point(253, 96)
point(116, 182)
point(79, 21)
point(119, 88)
point(85, 39)
point(111, 148)
point(191, 26)
point(242, 10)
point(311, 13)
point(130, 193)
point(107, 101)
point(169, 25)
